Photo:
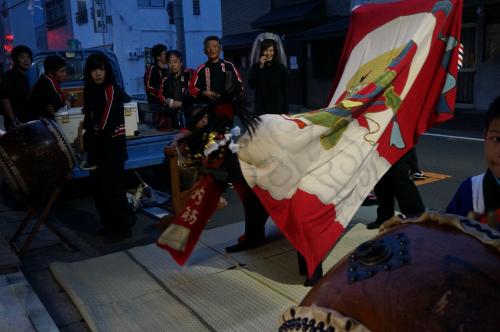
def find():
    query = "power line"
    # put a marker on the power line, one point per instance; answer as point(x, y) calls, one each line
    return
point(5, 10)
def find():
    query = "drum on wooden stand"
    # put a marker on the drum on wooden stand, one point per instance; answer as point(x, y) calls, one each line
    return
point(435, 273)
point(35, 158)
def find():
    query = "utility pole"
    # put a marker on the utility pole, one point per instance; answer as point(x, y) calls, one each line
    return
point(179, 28)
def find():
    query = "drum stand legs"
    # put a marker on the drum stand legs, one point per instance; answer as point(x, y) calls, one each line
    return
point(41, 219)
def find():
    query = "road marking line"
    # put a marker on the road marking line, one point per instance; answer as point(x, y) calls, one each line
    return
point(455, 137)
point(431, 177)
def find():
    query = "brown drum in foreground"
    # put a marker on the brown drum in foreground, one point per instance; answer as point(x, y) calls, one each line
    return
point(35, 158)
point(434, 273)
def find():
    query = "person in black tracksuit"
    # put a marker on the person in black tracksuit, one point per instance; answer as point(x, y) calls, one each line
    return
point(218, 83)
point(14, 90)
point(46, 97)
point(269, 79)
point(153, 78)
point(155, 73)
point(396, 184)
point(174, 90)
point(104, 140)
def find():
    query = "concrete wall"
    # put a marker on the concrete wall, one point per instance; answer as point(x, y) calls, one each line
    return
point(132, 30)
point(57, 38)
point(197, 27)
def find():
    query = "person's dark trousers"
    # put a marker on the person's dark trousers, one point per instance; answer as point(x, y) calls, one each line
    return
point(397, 184)
point(255, 213)
point(110, 197)
point(412, 161)
point(317, 274)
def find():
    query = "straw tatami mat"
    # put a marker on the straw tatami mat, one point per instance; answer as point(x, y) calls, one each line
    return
point(113, 293)
point(280, 273)
point(234, 301)
point(149, 312)
point(203, 261)
point(222, 237)
point(143, 289)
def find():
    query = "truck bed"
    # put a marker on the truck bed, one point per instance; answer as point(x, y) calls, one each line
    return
point(144, 150)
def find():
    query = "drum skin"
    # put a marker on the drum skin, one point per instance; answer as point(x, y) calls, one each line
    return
point(35, 158)
point(450, 282)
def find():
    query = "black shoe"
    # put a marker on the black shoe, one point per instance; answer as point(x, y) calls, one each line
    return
point(318, 274)
point(244, 245)
point(117, 236)
point(374, 225)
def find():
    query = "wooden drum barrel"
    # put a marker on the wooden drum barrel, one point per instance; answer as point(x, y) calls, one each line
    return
point(435, 273)
point(35, 158)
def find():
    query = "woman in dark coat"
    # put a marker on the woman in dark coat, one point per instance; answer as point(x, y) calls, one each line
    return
point(268, 75)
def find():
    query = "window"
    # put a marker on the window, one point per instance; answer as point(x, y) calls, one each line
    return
point(492, 42)
point(55, 13)
point(465, 79)
point(468, 40)
point(81, 14)
point(492, 35)
point(196, 7)
point(151, 3)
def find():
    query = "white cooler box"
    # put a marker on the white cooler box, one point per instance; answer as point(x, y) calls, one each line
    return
point(70, 120)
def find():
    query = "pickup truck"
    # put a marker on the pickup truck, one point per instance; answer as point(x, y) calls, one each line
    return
point(144, 143)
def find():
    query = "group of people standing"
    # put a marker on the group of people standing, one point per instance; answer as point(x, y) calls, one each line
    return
point(209, 97)
point(173, 90)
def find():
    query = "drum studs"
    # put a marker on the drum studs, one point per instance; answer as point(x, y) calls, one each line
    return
point(383, 254)
point(372, 253)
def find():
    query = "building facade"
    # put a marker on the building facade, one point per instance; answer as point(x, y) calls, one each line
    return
point(128, 27)
point(478, 79)
point(313, 33)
